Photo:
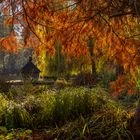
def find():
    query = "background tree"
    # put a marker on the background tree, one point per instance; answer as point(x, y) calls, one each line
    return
point(91, 46)
point(114, 25)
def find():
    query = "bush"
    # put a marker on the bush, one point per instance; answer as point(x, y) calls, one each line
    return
point(3, 130)
point(83, 79)
point(60, 83)
point(4, 87)
point(17, 116)
point(3, 108)
point(17, 134)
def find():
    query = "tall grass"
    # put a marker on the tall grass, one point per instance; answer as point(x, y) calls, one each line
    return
point(98, 126)
point(92, 113)
point(58, 107)
point(3, 108)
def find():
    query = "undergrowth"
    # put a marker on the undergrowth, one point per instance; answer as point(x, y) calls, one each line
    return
point(70, 113)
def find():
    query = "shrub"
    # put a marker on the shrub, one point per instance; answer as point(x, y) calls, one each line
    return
point(60, 83)
point(16, 116)
point(106, 77)
point(83, 79)
point(3, 108)
point(17, 134)
point(4, 87)
point(3, 130)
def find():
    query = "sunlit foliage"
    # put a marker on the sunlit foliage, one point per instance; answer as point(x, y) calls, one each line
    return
point(114, 25)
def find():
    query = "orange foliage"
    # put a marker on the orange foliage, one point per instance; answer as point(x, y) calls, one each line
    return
point(9, 43)
point(122, 84)
point(73, 23)
point(118, 86)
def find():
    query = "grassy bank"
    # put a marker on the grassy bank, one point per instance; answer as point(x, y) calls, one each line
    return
point(70, 113)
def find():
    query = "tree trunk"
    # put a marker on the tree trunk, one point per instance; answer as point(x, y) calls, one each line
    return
point(119, 70)
point(93, 69)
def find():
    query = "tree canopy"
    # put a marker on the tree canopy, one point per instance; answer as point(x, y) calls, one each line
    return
point(114, 25)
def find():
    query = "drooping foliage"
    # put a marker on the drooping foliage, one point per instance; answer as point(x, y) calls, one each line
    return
point(114, 25)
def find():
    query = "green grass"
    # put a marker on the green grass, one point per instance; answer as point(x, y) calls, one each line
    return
point(70, 113)
point(15, 134)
